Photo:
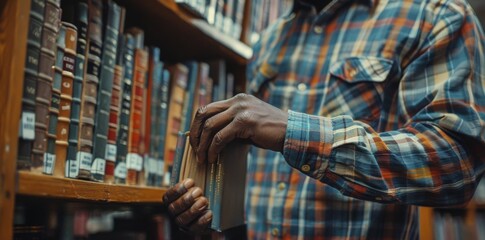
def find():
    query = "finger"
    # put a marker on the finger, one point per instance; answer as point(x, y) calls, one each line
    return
point(202, 114)
point(183, 203)
point(195, 211)
point(211, 127)
point(221, 139)
point(202, 223)
point(178, 190)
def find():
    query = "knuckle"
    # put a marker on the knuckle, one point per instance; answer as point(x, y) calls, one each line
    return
point(202, 110)
point(208, 125)
point(241, 96)
point(218, 139)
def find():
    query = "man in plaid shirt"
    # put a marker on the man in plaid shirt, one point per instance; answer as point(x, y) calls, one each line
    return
point(364, 110)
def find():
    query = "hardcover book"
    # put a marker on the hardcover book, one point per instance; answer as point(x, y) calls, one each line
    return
point(223, 182)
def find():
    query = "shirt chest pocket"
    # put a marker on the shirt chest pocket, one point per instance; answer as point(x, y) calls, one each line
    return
point(357, 87)
point(352, 86)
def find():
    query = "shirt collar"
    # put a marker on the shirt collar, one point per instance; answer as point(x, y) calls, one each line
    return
point(299, 5)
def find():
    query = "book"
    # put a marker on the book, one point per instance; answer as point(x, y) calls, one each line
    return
point(152, 138)
point(111, 19)
point(192, 82)
point(223, 182)
point(76, 12)
point(64, 119)
point(120, 170)
point(162, 123)
point(178, 83)
point(134, 161)
point(41, 160)
point(80, 167)
point(31, 75)
point(115, 107)
point(54, 105)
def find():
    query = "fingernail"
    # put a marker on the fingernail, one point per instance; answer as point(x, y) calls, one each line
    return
point(196, 193)
point(208, 217)
point(188, 183)
point(200, 205)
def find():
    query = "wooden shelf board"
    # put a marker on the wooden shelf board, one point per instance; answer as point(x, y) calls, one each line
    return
point(180, 35)
point(32, 184)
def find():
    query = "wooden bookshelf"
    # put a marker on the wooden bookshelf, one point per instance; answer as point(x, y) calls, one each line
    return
point(14, 20)
point(182, 35)
point(38, 185)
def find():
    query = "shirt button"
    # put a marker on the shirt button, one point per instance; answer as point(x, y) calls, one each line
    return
point(318, 29)
point(275, 232)
point(305, 168)
point(302, 87)
point(281, 186)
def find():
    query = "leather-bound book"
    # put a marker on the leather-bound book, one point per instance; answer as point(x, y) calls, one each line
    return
point(43, 161)
point(111, 18)
point(81, 166)
point(125, 114)
point(135, 140)
point(64, 119)
point(31, 75)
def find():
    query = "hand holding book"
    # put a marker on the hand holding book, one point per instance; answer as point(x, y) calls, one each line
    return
point(187, 205)
point(243, 117)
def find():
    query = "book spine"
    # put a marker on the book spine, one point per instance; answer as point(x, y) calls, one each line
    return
point(135, 160)
point(217, 195)
point(81, 22)
point(177, 162)
point(112, 15)
point(189, 97)
point(125, 114)
point(64, 119)
point(81, 166)
point(115, 108)
point(27, 119)
point(162, 122)
point(151, 128)
point(55, 103)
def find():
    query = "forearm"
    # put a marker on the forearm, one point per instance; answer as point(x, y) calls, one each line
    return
point(419, 164)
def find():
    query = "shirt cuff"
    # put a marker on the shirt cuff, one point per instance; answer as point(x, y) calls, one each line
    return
point(308, 143)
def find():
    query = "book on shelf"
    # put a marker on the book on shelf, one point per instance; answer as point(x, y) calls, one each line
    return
point(111, 19)
point(134, 159)
point(28, 121)
point(64, 118)
point(223, 182)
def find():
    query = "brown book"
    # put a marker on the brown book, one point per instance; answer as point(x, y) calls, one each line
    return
point(64, 118)
point(41, 160)
point(179, 77)
point(134, 160)
point(114, 113)
point(223, 182)
point(81, 166)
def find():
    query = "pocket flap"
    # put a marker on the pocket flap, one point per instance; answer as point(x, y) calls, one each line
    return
point(362, 69)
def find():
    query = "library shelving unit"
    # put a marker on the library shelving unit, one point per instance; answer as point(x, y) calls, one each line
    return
point(180, 35)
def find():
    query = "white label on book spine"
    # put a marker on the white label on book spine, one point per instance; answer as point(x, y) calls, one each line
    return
point(120, 170)
point(98, 166)
point(134, 161)
point(49, 162)
point(152, 165)
point(85, 160)
point(72, 168)
point(111, 152)
point(27, 126)
point(160, 165)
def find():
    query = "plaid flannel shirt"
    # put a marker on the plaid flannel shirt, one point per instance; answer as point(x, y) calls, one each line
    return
point(386, 102)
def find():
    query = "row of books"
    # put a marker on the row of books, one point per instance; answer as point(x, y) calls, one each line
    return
point(225, 15)
point(98, 104)
point(263, 13)
point(452, 225)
